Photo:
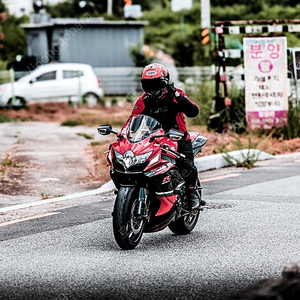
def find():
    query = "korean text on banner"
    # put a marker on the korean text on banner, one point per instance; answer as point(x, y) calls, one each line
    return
point(266, 83)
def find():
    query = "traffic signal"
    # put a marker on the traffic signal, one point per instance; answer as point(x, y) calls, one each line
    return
point(204, 36)
point(128, 2)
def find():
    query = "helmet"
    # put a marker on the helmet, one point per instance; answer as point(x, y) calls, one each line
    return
point(154, 79)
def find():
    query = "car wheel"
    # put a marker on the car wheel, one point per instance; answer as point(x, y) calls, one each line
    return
point(91, 99)
point(17, 103)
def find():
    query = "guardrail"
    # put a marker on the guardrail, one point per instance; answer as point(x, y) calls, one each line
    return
point(122, 81)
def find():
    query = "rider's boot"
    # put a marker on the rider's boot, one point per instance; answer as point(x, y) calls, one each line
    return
point(193, 198)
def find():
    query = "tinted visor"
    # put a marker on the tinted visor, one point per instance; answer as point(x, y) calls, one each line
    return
point(153, 85)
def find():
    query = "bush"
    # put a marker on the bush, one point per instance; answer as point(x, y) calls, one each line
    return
point(292, 129)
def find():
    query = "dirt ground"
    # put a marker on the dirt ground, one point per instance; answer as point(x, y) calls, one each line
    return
point(71, 158)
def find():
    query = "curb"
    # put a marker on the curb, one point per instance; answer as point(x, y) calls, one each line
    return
point(217, 161)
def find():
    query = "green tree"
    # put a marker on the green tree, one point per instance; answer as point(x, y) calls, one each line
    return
point(14, 42)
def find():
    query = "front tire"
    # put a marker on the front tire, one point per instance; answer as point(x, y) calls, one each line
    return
point(128, 229)
point(185, 224)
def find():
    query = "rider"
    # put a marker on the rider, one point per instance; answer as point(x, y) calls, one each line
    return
point(168, 105)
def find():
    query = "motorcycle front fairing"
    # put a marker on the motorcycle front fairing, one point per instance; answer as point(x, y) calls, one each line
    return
point(137, 161)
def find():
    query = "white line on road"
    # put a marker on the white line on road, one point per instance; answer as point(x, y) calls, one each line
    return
point(104, 188)
point(109, 186)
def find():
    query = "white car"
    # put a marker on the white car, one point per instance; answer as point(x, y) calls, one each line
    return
point(58, 82)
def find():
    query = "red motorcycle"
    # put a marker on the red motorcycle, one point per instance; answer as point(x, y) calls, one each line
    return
point(151, 192)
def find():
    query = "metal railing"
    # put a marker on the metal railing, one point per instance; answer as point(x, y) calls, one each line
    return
point(122, 81)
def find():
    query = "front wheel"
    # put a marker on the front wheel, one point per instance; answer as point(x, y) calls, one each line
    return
point(127, 225)
point(186, 223)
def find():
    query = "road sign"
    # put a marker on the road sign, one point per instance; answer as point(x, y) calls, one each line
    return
point(266, 84)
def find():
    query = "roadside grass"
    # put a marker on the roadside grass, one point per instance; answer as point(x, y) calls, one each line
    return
point(8, 162)
point(5, 119)
point(72, 123)
point(85, 135)
point(45, 196)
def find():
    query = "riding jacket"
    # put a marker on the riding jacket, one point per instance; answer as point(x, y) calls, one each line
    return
point(169, 111)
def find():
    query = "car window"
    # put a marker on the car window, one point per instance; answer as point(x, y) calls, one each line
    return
point(47, 76)
point(71, 74)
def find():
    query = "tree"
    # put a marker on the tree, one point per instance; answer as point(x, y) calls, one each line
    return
point(14, 42)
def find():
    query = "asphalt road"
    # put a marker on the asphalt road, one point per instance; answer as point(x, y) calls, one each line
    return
point(250, 233)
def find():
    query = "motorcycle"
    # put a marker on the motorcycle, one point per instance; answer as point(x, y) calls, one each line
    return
point(151, 192)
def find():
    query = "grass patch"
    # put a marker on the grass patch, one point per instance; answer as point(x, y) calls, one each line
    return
point(248, 158)
point(49, 196)
point(8, 162)
point(5, 119)
point(85, 135)
point(94, 144)
point(72, 123)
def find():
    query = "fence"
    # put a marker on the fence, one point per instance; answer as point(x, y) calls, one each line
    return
point(122, 81)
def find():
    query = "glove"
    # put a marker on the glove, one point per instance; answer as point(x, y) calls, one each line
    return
point(172, 90)
point(170, 87)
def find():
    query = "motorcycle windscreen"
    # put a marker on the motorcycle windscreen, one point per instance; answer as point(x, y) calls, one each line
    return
point(140, 127)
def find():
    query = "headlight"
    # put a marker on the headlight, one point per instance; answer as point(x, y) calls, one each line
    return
point(140, 159)
point(129, 159)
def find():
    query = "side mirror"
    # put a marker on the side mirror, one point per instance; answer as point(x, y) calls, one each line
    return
point(175, 135)
point(105, 129)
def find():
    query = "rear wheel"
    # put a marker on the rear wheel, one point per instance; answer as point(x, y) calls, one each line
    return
point(186, 223)
point(128, 227)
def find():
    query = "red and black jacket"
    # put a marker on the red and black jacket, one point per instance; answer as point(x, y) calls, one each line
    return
point(169, 111)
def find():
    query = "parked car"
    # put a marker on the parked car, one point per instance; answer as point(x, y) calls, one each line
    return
point(57, 82)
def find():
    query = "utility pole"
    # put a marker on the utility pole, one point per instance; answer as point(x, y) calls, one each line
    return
point(109, 7)
point(205, 21)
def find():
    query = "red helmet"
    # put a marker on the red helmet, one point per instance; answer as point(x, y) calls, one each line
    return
point(154, 79)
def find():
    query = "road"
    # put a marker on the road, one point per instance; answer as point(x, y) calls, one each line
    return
point(251, 231)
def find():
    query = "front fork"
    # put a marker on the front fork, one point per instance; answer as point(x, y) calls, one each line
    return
point(143, 211)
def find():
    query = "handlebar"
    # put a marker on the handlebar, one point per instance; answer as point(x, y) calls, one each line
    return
point(177, 154)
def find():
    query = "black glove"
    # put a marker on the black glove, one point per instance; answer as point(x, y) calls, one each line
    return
point(172, 90)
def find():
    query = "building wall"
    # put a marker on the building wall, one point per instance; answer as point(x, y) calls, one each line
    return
point(99, 46)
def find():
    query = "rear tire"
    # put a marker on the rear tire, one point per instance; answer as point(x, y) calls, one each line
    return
point(185, 224)
point(128, 229)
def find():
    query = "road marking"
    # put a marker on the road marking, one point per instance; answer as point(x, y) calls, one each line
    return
point(220, 177)
point(109, 186)
point(29, 218)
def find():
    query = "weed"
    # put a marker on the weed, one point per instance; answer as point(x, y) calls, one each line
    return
point(247, 158)
point(72, 123)
point(5, 119)
point(292, 129)
point(48, 196)
point(8, 162)
point(85, 135)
